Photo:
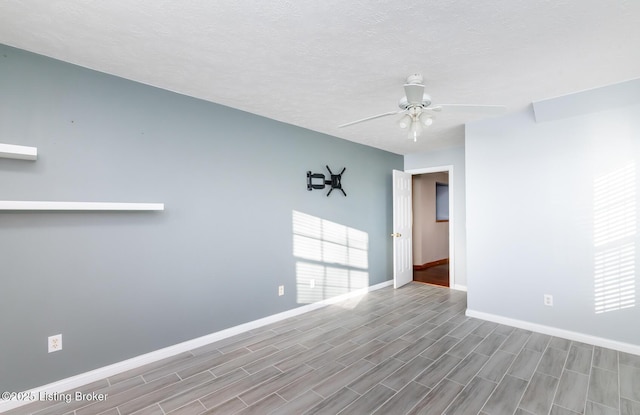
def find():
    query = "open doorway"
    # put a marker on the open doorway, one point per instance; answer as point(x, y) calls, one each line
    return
point(403, 230)
point(431, 228)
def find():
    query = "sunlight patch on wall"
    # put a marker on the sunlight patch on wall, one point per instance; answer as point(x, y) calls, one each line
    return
point(330, 281)
point(614, 224)
point(333, 258)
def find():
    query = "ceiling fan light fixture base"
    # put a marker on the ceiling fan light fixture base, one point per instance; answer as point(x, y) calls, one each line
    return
point(405, 105)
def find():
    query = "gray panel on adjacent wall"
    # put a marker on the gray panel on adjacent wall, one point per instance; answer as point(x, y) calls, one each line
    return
point(117, 285)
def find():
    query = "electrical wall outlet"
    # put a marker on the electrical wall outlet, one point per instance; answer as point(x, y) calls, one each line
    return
point(548, 300)
point(55, 343)
point(281, 290)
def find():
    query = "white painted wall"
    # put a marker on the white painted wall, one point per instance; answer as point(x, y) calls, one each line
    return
point(546, 203)
point(449, 157)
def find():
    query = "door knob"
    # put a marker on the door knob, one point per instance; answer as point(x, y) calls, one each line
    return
point(396, 235)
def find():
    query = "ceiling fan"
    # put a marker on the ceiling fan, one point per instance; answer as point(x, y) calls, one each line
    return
point(419, 111)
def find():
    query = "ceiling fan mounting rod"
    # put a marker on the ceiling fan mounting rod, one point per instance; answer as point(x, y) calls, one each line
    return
point(415, 78)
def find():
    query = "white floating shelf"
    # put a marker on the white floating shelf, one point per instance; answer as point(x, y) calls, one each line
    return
point(33, 205)
point(11, 151)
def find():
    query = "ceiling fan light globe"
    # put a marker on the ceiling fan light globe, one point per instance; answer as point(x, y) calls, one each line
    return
point(417, 127)
point(415, 130)
point(404, 122)
point(426, 119)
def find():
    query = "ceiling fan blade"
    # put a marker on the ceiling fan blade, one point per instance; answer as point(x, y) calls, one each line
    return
point(371, 118)
point(414, 93)
point(470, 109)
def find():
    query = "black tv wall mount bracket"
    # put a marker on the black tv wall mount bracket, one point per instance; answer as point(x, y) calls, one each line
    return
point(318, 181)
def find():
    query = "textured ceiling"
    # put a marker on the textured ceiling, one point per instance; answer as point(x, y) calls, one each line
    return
point(319, 64)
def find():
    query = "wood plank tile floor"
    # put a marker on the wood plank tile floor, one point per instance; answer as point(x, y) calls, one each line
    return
point(438, 275)
point(406, 351)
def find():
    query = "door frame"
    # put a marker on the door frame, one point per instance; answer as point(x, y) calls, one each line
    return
point(445, 169)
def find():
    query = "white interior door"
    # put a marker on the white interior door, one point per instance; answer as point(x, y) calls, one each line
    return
point(402, 222)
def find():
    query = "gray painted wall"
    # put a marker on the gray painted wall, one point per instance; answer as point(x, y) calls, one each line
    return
point(117, 285)
point(552, 208)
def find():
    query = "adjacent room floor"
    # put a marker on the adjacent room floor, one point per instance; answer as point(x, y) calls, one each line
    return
point(406, 351)
point(437, 274)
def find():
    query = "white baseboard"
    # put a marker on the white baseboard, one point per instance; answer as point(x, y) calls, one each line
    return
point(82, 379)
point(554, 331)
point(459, 287)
